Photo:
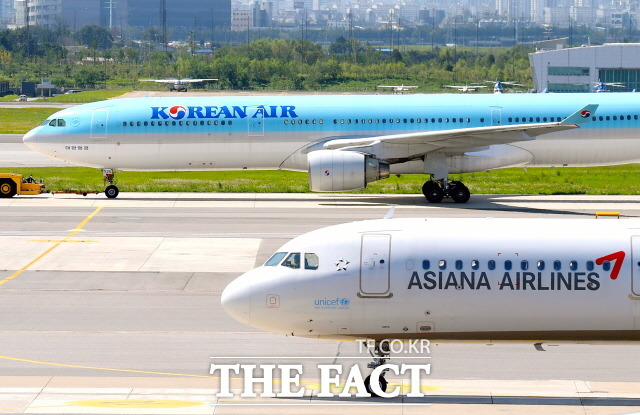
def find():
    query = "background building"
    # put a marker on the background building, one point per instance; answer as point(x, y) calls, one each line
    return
point(190, 14)
point(580, 69)
point(117, 13)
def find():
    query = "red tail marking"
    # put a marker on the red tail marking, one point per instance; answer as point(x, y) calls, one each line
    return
point(618, 257)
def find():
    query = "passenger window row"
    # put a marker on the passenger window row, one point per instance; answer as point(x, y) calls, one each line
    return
point(534, 119)
point(402, 120)
point(300, 122)
point(174, 123)
point(559, 119)
point(508, 265)
point(615, 118)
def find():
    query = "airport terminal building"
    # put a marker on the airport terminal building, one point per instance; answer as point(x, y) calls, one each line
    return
point(580, 69)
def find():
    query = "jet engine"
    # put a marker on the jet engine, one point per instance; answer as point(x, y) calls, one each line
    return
point(334, 171)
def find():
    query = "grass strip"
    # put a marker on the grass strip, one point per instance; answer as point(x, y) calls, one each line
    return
point(86, 96)
point(21, 120)
point(612, 180)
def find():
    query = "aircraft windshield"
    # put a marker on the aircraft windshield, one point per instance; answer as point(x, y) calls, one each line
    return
point(292, 261)
point(275, 259)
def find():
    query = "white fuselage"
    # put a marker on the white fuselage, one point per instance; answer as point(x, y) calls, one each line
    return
point(490, 279)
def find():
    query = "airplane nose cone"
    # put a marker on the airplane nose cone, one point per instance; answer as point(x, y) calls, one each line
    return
point(30, 139)
point(236, 300)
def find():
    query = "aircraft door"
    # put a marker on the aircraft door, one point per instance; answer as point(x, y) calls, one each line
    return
point(635, 265)
point(374, 266)
point(99, 124)
point(496, 116)
point(256, 122)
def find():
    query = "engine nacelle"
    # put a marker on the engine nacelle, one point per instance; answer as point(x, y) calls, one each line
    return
point(334, 171)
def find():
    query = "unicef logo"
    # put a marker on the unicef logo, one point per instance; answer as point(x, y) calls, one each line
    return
point(344, 302)
point(177, 112)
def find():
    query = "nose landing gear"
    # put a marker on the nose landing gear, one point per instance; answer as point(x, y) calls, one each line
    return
point(112, 190)
point(380, 357)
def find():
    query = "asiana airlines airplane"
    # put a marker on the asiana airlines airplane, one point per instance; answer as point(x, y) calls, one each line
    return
point(346, 141)
point(449, 279)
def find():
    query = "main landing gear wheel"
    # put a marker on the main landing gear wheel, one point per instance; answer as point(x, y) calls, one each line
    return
point(432, 191)
point(381, 381)
point(459, 192)
point(112, 191)
point(8, 188)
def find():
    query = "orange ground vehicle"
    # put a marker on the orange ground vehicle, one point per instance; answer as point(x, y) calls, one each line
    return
point(14, 184)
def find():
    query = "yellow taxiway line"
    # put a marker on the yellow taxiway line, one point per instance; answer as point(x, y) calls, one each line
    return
point(73, 233)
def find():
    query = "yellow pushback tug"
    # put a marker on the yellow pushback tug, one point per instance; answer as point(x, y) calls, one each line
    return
point(12, 184)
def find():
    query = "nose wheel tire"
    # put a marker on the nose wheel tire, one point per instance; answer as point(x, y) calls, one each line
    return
point(112, 191)
point(382, 382)
point(8, 188)
point(432, 191)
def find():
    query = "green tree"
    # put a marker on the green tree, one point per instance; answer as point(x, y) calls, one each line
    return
point(95, 37)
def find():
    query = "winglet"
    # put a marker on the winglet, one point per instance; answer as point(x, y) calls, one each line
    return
point(389, 214)
point(581, 116)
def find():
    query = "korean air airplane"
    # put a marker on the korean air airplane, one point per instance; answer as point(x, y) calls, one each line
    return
point(443, 279)
point(347, 141)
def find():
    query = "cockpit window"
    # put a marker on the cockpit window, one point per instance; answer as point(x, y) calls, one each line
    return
point(311, 261)
point(56, 123)
point(275, 259)
point(46, 122)
point(292, 261)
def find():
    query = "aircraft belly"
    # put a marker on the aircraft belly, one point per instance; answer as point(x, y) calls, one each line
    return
point(207, 152)
point(588, 149)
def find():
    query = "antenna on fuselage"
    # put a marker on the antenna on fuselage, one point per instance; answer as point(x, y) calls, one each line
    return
point(389, 214)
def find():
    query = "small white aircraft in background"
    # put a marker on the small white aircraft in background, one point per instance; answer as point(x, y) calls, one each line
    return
point(498, 86)
point(398, 89)
point(179, 84)
point(465, 88)
point(602, 86)
point(449, 279)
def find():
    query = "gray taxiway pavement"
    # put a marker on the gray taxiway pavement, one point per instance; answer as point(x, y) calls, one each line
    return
point(101, 296)
point(13, 153)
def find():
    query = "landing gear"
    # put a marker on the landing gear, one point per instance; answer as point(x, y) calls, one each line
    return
point(112, 190)
point(459, 192)
point(380, 357)
point(435, 191)
point(432, 191)
point(381, 381)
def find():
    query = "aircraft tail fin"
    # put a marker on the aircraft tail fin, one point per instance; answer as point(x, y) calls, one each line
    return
point(581, 116)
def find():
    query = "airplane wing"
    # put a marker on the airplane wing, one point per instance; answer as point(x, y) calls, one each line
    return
point(192, 80)
point(177, 81)
point(470, 137)
point(160, 81)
